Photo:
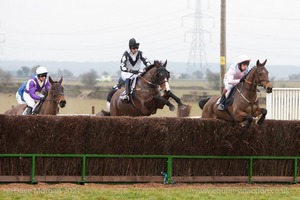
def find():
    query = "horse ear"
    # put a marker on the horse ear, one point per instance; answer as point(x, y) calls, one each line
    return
point(264, 62)
point(50, 80)
point(60, 81)
point(165, 64)
point(257, 63)
point(156, 63)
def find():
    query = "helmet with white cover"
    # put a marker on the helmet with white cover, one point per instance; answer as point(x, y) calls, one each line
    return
point(41, 70)
point(243, 58)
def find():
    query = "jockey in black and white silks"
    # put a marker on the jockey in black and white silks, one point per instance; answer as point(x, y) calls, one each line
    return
point(133, 62)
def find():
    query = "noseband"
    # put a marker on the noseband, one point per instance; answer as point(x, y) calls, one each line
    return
point(54, 96)
point(260, 80)
point(157, 80)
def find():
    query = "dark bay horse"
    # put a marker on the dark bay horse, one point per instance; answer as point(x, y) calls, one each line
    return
point(50, 105)
point(245, 105)
point(146, 98)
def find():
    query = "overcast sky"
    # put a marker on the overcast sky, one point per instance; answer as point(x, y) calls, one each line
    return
point(99, 30)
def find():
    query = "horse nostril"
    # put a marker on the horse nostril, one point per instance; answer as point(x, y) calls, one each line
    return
point(269, 90)
point(62, 104)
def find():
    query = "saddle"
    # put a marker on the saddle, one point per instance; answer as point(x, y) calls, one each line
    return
point(229, 100)
point(38, 106)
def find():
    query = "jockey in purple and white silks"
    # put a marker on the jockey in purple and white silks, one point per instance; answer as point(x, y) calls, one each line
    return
point(131, 66)
point(233, 76)
point(30, 92)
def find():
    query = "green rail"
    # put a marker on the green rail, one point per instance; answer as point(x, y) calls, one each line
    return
point(169, 159)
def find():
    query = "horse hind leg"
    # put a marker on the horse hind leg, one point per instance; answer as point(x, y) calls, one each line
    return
point(262, 117)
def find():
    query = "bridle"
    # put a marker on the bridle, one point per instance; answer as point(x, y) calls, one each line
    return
point(157, 81)
point(54, 97)
point(259, 80)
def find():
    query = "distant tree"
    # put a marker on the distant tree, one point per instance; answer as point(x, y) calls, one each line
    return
point(89, 78)
point(20, 72)
point(172, 76)
point(294, 76)
point(65, 73)
point(198, 75)
point(25, 70)
point(105, 73)
point(4, 76)
point(213, 79)
point(33, 69)
point(184, 76)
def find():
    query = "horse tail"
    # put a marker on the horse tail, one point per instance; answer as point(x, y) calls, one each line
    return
point(202, 102)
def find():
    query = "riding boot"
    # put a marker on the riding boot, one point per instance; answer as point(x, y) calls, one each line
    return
point(125, 96)
point(27, 111)
point(221, 104)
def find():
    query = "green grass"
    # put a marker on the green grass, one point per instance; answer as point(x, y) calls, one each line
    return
point(157, 191)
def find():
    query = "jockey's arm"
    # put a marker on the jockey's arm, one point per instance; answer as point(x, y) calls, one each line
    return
point(31, 91)
point(145, 60)
point(123, 63)
point(232, 81)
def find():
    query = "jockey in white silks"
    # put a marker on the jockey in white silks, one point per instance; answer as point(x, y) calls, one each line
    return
point(232, 77)
point(30, 91)
point(131, 66)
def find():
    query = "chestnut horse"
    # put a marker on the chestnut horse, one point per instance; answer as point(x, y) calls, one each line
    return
point(146, 98)
point(245, 104)
point(54, 98)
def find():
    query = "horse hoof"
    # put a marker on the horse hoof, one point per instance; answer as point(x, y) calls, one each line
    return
point(182, 107)
point(172, 108)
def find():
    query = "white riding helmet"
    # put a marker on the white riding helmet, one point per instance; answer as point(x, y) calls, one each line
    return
point(41, 70)
point(243, 58)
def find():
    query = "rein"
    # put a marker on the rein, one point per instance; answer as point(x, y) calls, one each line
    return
point(53, 99)
point(150, 83)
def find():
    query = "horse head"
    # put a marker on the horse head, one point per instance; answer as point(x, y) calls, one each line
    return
point(56, 92)
point(162, 76)
point(262, 76)
point(157, 74)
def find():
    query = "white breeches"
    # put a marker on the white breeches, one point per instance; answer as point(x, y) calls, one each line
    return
point(30, 101)
point(19, 99)
point(228, 87)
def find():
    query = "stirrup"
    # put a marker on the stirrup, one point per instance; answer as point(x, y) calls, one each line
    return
point(220, 106)
point(124, 98)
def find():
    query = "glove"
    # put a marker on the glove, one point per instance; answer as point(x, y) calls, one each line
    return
point(242, 79)
point(135, 71)
point(42, 98)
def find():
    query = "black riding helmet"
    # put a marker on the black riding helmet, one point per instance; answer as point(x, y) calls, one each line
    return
point(133, 43)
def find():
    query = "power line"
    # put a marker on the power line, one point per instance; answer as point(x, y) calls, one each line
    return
point(197, 60)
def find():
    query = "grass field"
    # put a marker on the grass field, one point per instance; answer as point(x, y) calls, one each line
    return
point(149, 191)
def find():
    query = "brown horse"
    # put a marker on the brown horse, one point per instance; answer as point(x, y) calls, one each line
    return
point(54, 98)
point(245, 104)
point(146, 98)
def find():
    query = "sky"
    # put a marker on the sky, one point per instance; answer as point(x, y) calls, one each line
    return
point(99, 31)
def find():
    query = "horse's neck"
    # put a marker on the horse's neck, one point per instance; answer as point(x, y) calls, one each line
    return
point(248, 89)
point(147, 81)
point(49, 106)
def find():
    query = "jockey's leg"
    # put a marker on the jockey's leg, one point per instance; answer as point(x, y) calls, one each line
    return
point(27, 111)
point(30, 104)
point(125, 97)
point(221, 101)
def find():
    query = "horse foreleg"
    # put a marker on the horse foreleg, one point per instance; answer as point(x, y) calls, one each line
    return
point(165, 102)
point(173, 96)
point(263, 116)
point(249, 121)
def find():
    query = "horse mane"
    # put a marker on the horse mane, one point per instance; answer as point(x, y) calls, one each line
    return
point(155, 64)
